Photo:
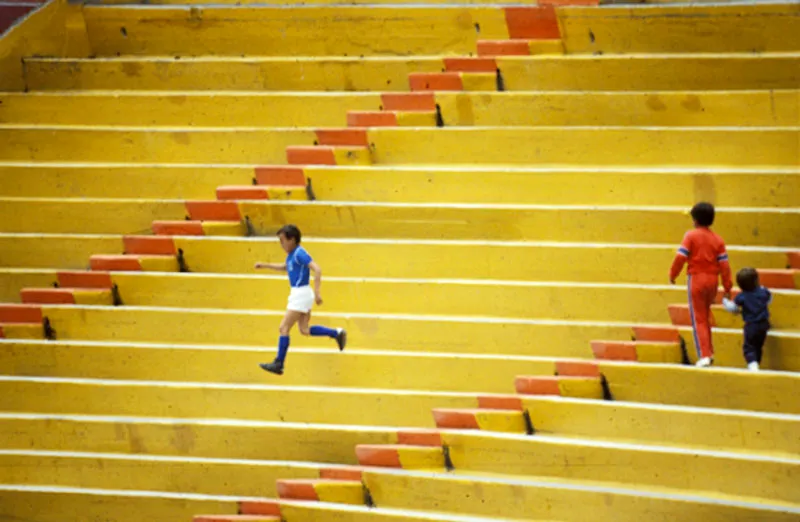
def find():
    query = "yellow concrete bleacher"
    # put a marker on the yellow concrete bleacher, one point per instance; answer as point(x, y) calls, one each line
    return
point(495, 194)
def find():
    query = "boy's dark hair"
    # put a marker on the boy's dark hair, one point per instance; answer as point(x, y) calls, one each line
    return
point(747, 279)
point(703, 214)
point(290, 232)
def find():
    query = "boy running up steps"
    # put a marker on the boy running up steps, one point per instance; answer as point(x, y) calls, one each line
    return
point(302, 298)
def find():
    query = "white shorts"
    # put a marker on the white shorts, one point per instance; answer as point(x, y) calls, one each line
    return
point(301, 299)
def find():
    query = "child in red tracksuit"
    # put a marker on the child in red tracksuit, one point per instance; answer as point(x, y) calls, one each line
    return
point(705, 252)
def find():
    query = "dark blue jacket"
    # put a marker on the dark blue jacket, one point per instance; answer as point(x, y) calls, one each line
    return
point(754, 305)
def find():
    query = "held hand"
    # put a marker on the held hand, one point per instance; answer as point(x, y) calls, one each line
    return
point(260, 265)
point(318, 299)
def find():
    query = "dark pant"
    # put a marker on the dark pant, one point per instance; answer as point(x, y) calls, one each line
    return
point(754, 336)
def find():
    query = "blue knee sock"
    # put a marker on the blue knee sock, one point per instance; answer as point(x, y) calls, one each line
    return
point(322, 331)
point(283, 348)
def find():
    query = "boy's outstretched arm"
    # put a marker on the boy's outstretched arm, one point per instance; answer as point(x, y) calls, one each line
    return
point(680, 258)
point(317, 281)
point(280, 267)
point(725, 271)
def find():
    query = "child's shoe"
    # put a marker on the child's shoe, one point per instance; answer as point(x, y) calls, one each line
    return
point(705, 362)
point(275, 367)
point(753, 366)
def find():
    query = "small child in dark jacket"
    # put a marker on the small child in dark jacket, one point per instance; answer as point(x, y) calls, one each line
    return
point(753, 303)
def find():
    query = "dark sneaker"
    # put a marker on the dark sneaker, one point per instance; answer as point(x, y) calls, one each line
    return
point(341, 339)
point(273, 367)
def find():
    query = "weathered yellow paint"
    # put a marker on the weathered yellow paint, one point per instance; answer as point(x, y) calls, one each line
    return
point(588, 388)
point(149, 145)
point(159, 263)
point(109, 507)
point(352, 156)
point(321, 512)
point(340, 492)
point(443, 184)
point(379, 370)
point(177, 474)
point(56, 29)
point(200, 437)
point(65, 252)
point(687, 108)
point(288, 31)
point(738, 27)
point(386, 74)
point(12, 283)
point(479, 81)
point(563, 301)
point(222, 108)
point(655, 424)
point(500, 421)
point(247, 74)
point(588, 146)
point(654, 352)
point(713, 388)
point(223, 228)
point(23, 331)
point(69, 216)
point(412, 334)
point(416, 119)
point(409, 259)
point(93, 297)
point(712, 474)
point(651, 72)
point(326, 2)
point(118, 181)
point(545, 499)
point(287, 404)
point(421, 457)
point(546, 47)
point(617, 224)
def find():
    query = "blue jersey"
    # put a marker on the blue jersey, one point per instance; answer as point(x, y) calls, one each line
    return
point(754, 305)
point(297, 266)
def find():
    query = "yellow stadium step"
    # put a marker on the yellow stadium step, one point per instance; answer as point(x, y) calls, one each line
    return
point(654, 186)
point(517, 108)
point(638, 72)
point(709, 428)
point(133, 263)
point(318, 366)
point(678, 147)
point(706, 473)
point(686, 386)
point(481, 298)
point(302, 443)
point(21, 331)
point(642, 351)
point(235, 518)
point(540, 261)
point(25, 502)
point(415, 449)
point(81, 296)
point(409, 333)
point(518, 47)
point(293, 30)
point(499, 420)
point(367, 407)
point(733, 27)
point(322, 490)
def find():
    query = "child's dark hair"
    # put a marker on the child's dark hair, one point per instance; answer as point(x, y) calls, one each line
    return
point(747, 279)
point(703, 214)
point(290, 232)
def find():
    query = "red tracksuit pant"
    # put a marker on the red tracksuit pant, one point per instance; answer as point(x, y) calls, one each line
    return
point(702, 293)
